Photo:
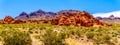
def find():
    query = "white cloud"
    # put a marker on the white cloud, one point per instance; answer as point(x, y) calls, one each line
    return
point(115, 13)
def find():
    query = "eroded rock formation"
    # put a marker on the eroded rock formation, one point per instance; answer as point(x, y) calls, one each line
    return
point(78, 19)
point(10, 20)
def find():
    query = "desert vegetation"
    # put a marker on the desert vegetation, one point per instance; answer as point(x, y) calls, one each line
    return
point(66, 28)
point(47, 34)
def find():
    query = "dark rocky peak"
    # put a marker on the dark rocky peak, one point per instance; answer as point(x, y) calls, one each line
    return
point(33, 14)
point(51, 13)
point(68, 12)
point(111, 16)
point(40, 11)
point(100, 18)
point(23, 14)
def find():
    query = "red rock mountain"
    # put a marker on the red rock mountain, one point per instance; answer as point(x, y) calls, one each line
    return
point(77, 19)
point(64, 17)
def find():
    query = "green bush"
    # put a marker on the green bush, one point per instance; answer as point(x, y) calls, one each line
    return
point(90, 35)
point(16, 37)
point(106, 38)
point(52, 38)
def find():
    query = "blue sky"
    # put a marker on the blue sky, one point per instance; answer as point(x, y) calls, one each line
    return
point(15, 7)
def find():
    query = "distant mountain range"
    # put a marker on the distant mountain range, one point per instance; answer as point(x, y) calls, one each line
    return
point(107, 14)
point(113, 17)
point(40, 14)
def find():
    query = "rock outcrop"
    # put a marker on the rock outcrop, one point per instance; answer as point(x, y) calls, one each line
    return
point(10, 20)
point(77, 19)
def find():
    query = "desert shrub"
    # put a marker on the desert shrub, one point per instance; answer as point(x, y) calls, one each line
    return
point(115, 40)
point(15, 37)
point(90, 35)
point(104, 39)
point(51, 38)
point(79, 33)
point(98, 40)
